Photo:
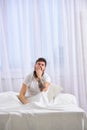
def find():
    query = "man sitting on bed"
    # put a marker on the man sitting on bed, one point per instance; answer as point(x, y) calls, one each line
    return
point(36, 82)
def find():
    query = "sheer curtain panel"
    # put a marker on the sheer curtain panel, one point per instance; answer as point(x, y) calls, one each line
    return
point(53, 29)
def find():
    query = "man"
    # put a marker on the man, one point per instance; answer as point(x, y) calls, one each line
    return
point(36, 82)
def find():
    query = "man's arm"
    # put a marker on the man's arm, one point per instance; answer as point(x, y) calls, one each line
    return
point(21, 96)
point(43, 86)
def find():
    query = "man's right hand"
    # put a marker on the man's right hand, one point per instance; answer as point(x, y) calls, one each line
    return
point(39, 72)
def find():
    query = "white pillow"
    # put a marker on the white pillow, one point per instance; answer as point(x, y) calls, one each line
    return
point(53, 91)
point(65, 99)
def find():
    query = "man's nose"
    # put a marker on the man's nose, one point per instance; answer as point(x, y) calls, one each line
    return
point(40, 65)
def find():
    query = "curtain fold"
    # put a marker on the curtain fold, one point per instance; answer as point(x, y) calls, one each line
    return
point(53, 29)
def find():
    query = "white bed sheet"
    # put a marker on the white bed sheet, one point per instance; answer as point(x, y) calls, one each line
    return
point(62, 113)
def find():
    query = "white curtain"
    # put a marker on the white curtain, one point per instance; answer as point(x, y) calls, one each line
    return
point(53, 29)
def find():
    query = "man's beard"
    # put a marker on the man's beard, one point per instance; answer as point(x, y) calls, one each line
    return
point(35, 74)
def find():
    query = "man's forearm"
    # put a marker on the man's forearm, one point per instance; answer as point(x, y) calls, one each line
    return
point(41, 85)
point(23, 99)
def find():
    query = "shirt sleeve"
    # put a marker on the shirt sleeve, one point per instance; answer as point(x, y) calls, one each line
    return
point(27, 80)
point(46, 78)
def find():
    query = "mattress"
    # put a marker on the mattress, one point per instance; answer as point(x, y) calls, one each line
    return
point(63, 113)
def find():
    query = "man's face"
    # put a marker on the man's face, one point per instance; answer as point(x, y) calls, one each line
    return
point(40, 65)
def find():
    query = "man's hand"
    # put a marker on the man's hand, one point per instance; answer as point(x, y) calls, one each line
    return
point(39, 72)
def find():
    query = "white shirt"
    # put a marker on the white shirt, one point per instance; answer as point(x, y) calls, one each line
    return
point(32, 83)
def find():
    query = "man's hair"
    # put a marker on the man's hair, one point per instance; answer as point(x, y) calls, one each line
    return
point(42, 59)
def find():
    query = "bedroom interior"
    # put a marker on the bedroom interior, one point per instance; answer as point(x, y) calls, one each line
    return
point(56, 30)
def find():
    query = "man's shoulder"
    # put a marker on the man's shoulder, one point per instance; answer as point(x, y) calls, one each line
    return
point(46, 77)
point(29, 75)
point(45, 74)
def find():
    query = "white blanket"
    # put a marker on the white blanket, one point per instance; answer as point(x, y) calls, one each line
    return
point(65, 102)
point(61, 113)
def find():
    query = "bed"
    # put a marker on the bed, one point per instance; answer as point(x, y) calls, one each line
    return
point(61, 113)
